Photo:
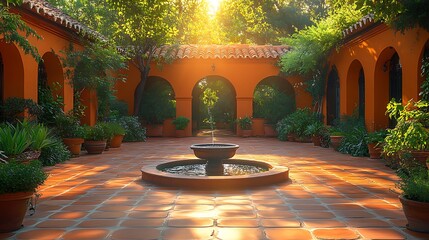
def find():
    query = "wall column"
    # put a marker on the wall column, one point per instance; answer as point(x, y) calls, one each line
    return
point(89, 99)
point(244, 108)
point(184, 108)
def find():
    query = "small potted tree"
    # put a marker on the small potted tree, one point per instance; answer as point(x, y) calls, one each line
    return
point(336, 137)
point(375, 141)
point(245, 124)
point(95, 139)
point(315, 130)
point(180, 123)
point(18, 183)
point(68, 127)
point(118, 133)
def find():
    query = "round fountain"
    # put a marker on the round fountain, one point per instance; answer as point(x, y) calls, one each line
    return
point(214, 170)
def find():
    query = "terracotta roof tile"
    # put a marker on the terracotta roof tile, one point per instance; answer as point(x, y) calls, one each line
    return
point(48, 11)
point(362, 23)
point(223, 51)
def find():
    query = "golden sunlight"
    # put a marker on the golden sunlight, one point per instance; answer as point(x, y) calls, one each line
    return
point(213, 6)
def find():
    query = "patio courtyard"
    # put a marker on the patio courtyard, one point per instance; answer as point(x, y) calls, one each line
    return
point(330, 196)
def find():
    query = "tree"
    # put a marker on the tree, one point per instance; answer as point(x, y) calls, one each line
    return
point(10, 26)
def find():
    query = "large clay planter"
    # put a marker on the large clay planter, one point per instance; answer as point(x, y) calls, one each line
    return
point(291, 137)
point(420, 156)
point(246, 133)
point(116, 141)
point(180, 133)
point(417, 214)
point(74, 145)
point(374, 151)
point(269, 130)
point(13, 207)
point(95, 147)
point(154, 130)
point(316, 140)
point(336, 142)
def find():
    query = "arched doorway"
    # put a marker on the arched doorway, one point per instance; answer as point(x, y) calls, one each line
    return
point(395, 82)
point(273, 99)
point(424, 76)
point(220, 92)
point(333, 97)
point(361, 83)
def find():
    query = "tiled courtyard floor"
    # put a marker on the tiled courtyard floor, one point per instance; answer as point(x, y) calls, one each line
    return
point(330, 196)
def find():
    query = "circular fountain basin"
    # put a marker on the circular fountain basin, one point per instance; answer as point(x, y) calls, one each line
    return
point(214, 151)
point(274, 174)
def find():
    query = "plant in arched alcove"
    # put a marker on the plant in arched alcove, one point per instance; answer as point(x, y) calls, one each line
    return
point(424, 93)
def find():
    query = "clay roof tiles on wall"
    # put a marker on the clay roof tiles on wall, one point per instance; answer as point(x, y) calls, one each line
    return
point(222, 51)
point(48, 11)
point(361, 24)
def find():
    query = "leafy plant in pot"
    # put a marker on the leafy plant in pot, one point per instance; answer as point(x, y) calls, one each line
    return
point(414, 184)
point(18, 183)
point(245, 124)
point(118, 134)
point(315, 130)
point(411, 133)
point(375, 142)
point(336, 136)
point(180, 123)
point(69, 129)
point(95, 138)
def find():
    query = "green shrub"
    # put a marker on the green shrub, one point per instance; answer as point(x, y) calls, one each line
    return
point(376, 136)
point(13, 140)
point(55, 153)
point(98, 132)
point(272, 104)
point(18, 177)
point(354, 142)
point(39, 135)
point(134, 132)
point(181, 122)
point(414, 183)
point(14, 107)
point(158, 102)
point(116, 128)
point(245, 123)
point(50, 105)
point(67, 126)
point(296, 123)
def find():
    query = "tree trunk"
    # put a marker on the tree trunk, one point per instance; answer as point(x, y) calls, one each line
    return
point(138, 93)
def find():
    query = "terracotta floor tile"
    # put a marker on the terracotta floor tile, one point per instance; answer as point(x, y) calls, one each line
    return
point(188, 233)
point(323, 223)
point(86, 234)
point(237, 223)
point(68, 215)
point(315, 215)
point(56, 224)
point(380, 233)
point(107, 215)
point(98, 223)
point(363, 222)
point(41, 234)
point(288, 233)
point(284, 223)
point(308, 207)
point(132, 233)
point(195, 222)
point(240, 233)
point(335, 233)
point(143, 223)
point(140, 214)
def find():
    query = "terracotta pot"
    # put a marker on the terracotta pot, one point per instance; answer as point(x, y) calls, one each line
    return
point(420, 156)
point(116, 141)
point(316, 140)
point(154, 130)
point(74, 145)
point(374, 151)
point(246, 133)
point(336, 142)
point(13, 207)
point(180, 133)
point(291, 137)
point(95, 147)
point(269, 130)
point(417, 214)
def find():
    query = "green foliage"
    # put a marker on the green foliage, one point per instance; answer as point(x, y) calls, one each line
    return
point(316, 128)
point(50, 105)
point(14, 30)
point(411, 131)
point(296, 123)
point(181, 122)
point(134, 132)
point(245, 123)
point(54, 153)
point(14, 140)
point(18, 177)
point(376, 136)
point(158, 102)
point(98, 132)
point(354, 142)
point(13, 109)
point(424, 93)
point(115, 128)
point(414, 183)
point(272, 104)
point(40, 136)
point(67, 126)
point(118, 109)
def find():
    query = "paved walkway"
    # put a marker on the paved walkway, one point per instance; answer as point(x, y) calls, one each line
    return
point(330, 196)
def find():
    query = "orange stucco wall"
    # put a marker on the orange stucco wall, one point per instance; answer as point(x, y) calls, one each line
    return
point(184, 74)
point(372, 50)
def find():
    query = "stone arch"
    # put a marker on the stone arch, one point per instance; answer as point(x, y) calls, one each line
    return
point(225, 110)
point(355, 89)
point(13, 71)
point(387, 84)
point(333, 96)
point(53, 69)
point(276, 83)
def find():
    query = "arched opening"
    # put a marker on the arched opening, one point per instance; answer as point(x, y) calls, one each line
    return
point(273, 99)
point(1, 79)
point(42, 81)
point(12, 71)
point(333, 97)
point(361, 83)
point(395, 82)
point(158, 102)
point(424, 73)
point(213, 97)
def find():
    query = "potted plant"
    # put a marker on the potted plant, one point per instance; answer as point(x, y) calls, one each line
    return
point(95, 138)
point(18, 183)
point(14, 141)
point(374, 141)
point(414, 184)
point(245, 124)
point(410, 136)
point(336, 136)
point(69, 129)
point(118, 134)
point(181, 123)
point(315, 130)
